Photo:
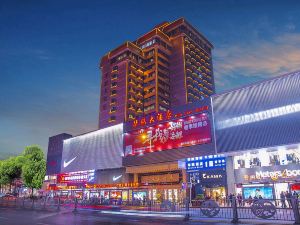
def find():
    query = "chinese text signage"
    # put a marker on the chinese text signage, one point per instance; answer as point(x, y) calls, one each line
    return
point(178, 133)
point(164, 116)
point(76, 177)
point(162, 178)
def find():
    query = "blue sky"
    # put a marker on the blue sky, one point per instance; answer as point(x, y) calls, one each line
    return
point(50, 51)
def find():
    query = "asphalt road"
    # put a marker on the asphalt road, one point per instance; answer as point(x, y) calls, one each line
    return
point(10, 216)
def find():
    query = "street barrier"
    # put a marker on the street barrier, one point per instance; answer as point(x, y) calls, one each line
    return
point(232, 209)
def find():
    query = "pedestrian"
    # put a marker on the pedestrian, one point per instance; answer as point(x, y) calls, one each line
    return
point(230, 197)
point(250, 200)
point(240, 199)
point(282, 200)
point(295, 194)
point(288, 196)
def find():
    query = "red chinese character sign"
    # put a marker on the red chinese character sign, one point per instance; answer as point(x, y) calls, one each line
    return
point(192, 130)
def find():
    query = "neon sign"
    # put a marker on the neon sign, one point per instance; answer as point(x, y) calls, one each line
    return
point(119, 185)
point(77, 177)
point(259, 116)
point(182, 132)
point(164, 116)
point(205, 162)
point(274, 175)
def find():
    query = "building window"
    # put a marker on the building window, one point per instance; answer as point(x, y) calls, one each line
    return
point(113, 101)
point(115, 68)
point(148, 108)
point(130, 116)
point(113, 109)
point(112, 118)
point(149, 43)
point(161, 108)
point(114, 76)
point(114, 84)
point(113, 92)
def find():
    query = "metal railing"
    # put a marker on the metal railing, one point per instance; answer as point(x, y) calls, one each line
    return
point(232, 209)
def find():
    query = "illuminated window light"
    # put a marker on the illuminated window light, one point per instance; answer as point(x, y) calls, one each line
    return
point(259, 116)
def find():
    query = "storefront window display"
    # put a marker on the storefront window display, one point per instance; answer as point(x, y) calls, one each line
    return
point(264, 157)
point(258, 191)
point(116, 194)
point(139, 195)
point(164, 194)
point(207, 175)
point(295, 188)
point(279, 172)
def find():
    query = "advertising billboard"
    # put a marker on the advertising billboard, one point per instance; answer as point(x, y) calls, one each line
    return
point(187, 131)
point(113, 176)
point(80, 177)
point(261, 115)
point(266, 192)
point(100, 149)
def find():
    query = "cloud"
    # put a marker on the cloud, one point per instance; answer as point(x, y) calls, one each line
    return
point(41, 113)
point(259, 58)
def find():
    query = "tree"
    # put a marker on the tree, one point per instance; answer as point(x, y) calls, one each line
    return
point(4, 179)
point(34, 168)
point(10, 170)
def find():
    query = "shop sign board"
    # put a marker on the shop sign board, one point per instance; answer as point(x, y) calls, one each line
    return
point(211, 177)
point(160, 178)
point(112, 176)
point(117, 185)
point(76, 177)
point(205, 162)
point(269, 174)
point(191, 130)
point(159, 117)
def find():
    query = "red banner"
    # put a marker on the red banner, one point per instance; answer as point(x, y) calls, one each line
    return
point(192, 130)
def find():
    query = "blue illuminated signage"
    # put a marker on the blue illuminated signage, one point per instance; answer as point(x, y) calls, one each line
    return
point(205, 162)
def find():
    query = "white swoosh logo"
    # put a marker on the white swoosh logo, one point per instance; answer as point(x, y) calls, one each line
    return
point(117, 178)
point(69, 162)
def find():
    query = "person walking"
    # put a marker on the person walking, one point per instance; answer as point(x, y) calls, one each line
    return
point(240, 199)
point(282, 200)
point(230, 198)
point(288, 196)
point(295, 194)
point(250, 200)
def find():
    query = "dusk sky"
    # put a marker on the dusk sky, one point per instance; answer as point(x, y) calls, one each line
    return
point(50, 52)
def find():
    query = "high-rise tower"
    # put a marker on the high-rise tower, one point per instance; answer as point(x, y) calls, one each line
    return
point(170, 65)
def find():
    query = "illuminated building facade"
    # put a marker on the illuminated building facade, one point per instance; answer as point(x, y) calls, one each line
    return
point(169, 66)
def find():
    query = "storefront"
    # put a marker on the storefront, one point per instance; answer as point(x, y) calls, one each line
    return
point(112, 192)
point(268, 173)
point(159, 181)
point(207, 175)
point(155, 144)
point(110, 184)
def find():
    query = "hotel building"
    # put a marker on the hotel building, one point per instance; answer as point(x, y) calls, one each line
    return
point(169, 66)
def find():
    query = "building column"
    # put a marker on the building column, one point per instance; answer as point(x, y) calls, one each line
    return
point(135, 177)
point(230, 175)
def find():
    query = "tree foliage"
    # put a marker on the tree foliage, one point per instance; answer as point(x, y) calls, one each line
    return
point(30, 166)
point(34, 167)
point(11, 169)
